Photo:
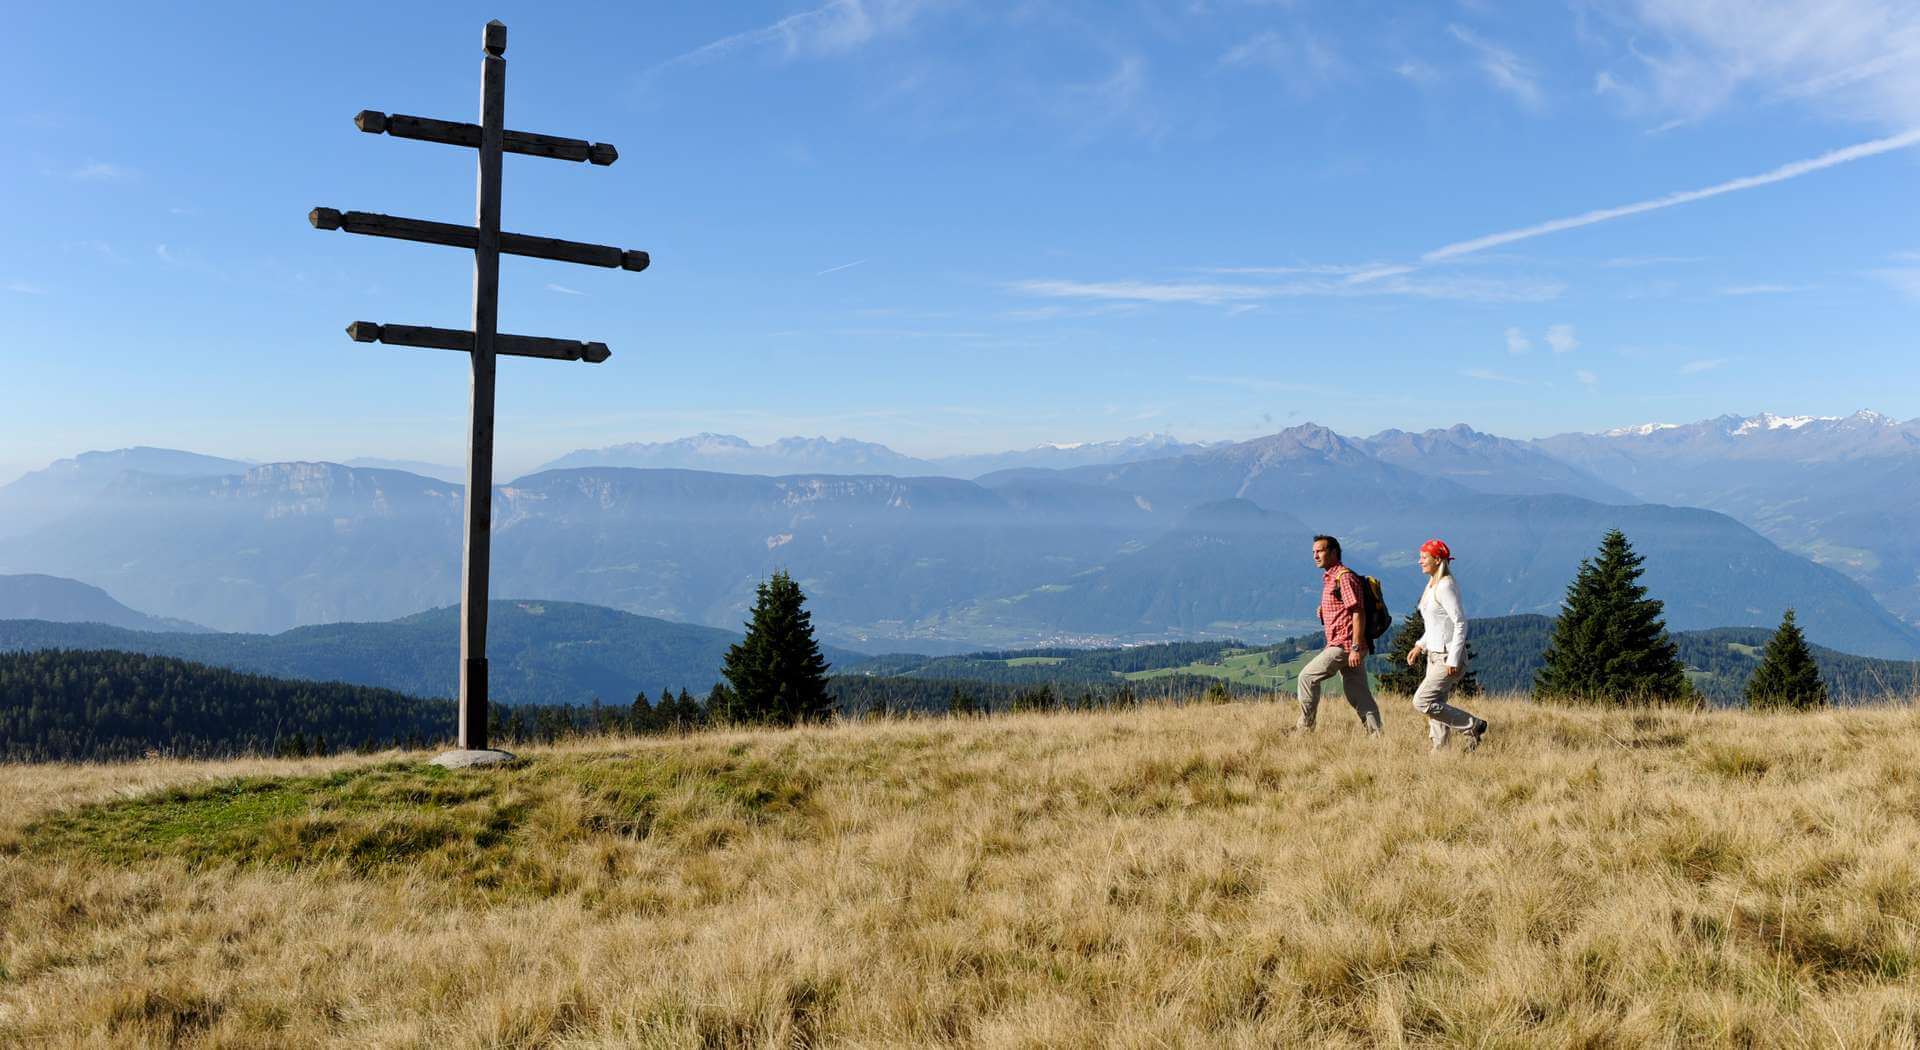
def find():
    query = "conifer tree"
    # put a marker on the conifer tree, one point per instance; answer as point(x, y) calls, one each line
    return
point(1609, 644)
point(720, 706)
point(641, 717)
point(1398, 677)
point(1787, 676)
point(776, 673)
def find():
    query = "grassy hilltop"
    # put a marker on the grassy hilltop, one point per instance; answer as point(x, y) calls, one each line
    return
point(1194, 876)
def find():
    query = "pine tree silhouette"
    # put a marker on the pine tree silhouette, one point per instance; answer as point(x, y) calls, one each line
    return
point(776, 673)
point(1398, 677)
point(1787, 675)
point(1609, 644)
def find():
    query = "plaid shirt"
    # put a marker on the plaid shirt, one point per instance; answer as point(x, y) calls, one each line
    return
point(1339, 600)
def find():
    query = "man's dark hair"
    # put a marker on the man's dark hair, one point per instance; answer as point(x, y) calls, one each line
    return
point(1332, 544)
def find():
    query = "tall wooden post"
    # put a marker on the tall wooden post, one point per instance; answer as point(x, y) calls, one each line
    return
point(476, 553)
point(485, 342)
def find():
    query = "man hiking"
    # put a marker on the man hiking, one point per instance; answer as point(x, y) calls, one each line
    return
point(1343, 614)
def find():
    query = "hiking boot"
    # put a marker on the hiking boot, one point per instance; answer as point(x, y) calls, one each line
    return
point(1474, 734)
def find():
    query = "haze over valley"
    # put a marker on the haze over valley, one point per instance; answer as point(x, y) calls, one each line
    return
point(1151, 539)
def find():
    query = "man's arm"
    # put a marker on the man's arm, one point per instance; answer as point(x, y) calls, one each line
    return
point(1350, 590)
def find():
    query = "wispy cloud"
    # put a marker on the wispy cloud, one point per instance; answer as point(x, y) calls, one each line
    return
point(1304, 62)
point(563, 289)
point(1489, 376)
point(1782, 173)
point(1464, 289)
point(1905, 280)
point(1855, 58)
point(1417, 72)
point(1762, 289)
point(102, 171)
point(1144, 291)
point(165, 256)
point(1505, 69)
point(1057, 312)
point(831, 29)
point(1704, 365)
point(837, 269)
point(910, 333)
point(25, 288)
point(1324, 269)
point(1627, 261)
point(1585, 377)
point(1120, 100)
point(1561, 338)
point(1517, 341)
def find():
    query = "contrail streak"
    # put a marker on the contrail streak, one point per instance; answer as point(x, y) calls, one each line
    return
point(1779, 174)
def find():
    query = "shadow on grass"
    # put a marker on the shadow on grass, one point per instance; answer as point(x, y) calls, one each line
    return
point(502, 832)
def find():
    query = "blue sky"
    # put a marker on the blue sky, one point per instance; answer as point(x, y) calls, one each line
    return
point(960, 227)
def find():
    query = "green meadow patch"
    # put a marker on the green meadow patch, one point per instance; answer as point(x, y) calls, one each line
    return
point(502, 832)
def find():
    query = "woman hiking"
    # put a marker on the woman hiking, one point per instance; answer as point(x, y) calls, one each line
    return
point(1445, 646)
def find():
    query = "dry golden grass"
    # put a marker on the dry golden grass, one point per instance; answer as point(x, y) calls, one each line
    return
point(1196, 876)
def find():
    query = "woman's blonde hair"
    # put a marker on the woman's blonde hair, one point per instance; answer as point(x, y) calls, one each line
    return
point(1445, 571)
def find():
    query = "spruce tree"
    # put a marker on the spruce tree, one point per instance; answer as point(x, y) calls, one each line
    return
point(1787, 676)
point(776, 673)
point(720, 706)
point(1609, 644)
point(1398, 677)
point(640, 716)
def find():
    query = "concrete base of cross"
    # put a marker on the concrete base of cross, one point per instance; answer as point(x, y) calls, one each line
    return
point(469, 759)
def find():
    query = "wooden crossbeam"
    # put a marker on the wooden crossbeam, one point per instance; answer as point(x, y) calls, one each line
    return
point(457, 339)
point(454, 133)
point(457, 236)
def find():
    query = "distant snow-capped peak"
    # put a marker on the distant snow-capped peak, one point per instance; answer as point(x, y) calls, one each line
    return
point(1640, 431)
point(1769, 421)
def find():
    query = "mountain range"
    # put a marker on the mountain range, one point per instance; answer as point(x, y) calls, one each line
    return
point(33, 596)
point(1841, 490)
point(540, 651)
point(1212, 541)
point(797, 455)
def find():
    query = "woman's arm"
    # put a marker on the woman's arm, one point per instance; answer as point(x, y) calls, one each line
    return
point(1448, 595)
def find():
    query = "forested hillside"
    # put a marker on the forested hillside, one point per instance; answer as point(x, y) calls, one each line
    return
point(542, 652)
point(60, 704)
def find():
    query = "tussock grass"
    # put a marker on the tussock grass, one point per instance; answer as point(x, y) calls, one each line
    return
point(1195, 876)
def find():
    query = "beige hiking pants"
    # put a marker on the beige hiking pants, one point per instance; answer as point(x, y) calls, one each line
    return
point(1353, 682)
point(1431, 700)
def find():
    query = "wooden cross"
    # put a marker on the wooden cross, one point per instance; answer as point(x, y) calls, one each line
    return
point(484, 342)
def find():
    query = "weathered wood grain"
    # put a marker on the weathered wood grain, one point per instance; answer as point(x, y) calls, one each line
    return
point(476, 553)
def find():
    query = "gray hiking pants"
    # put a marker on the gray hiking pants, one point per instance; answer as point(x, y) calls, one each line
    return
point(1353, 682)
point(1431, 700)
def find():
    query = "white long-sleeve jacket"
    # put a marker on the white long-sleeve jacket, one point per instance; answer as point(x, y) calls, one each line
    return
point(1446, 634)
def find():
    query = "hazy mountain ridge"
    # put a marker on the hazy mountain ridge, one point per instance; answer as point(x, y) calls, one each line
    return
point(1842, 490)
point(540, 651)
point(1024, 556)
point(819, 455)
point(1486, 463)
point(34, 596)
point(64, 486)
